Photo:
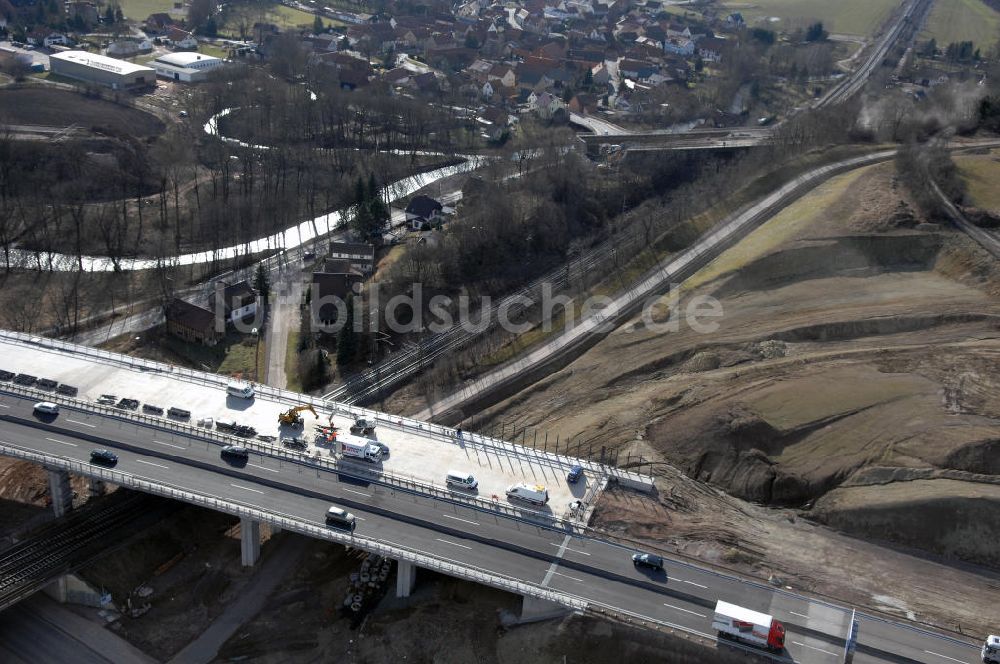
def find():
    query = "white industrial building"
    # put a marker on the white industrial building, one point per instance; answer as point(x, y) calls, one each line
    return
point(102, 70)
point(185, 66)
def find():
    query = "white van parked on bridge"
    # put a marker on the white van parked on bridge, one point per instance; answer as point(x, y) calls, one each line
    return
point(241, 390)
point(461, 480)
point(536, 495)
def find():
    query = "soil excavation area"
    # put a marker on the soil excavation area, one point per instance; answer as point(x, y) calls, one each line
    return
point(849, 379)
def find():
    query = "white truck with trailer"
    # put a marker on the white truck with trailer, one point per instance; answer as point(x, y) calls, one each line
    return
point(991, 650)
point(356, 447)
point(750, 627)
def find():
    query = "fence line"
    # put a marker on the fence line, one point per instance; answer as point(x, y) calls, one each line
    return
point(347, 467)
point(398, 422)
point(389, 549)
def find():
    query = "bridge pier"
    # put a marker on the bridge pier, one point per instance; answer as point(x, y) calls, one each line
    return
point(406, 578)
point(534, 609)
point(249, 541)
point(97, 487)
point(60, 492)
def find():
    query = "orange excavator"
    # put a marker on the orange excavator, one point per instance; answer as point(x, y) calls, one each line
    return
point(291, 416)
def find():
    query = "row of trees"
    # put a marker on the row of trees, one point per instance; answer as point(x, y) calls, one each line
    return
point(51, 14)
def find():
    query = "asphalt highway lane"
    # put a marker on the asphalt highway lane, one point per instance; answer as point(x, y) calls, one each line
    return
point(578, 564)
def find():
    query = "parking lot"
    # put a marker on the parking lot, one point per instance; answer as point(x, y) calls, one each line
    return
point(427, 458)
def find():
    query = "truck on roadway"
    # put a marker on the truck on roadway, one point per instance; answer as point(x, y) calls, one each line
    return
point(991, 650)
point(750, 627)
point(356, 447)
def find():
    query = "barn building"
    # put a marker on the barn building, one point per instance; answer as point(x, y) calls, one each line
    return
point(102, 70)
point(186, 66)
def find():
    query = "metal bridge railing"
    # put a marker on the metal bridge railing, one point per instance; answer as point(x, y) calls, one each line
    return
point(397, 422)
point(358, 469)
point(382, 547)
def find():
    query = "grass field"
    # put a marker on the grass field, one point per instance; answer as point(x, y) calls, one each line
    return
point(853, 17)
point(61, 108)
point(285, 17)
point(139, 10)
point(981, 174)
point(963, 20)
point(235, 355)
point(777, 230)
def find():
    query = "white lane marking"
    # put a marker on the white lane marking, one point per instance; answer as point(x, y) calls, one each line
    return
point(563, 547)
point(567, 576)
point(62, 442)
point(160, 442)
point(448, 516)
point(360, 493)
point(694, 613)
point(937, 654)
point(555, 563)
point(92, 426)
point(150, 463)
point(801, 615)
point(835, 654)
point(246, 488)
point(270, 470)
point(453, 543)
point(3, 406)
point(690, 583)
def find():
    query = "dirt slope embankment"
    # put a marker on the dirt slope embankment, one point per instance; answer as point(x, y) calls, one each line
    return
point(953, 518)
point(855, 334)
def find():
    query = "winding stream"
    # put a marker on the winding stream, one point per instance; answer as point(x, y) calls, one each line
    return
point(290, 238)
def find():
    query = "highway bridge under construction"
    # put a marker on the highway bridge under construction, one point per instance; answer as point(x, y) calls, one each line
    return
point(404, 508)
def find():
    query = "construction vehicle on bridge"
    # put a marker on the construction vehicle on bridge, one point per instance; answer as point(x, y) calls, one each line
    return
point(363, 427)
point(291, 416)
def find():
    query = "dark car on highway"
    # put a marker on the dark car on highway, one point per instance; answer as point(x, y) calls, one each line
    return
point(103, 457)
point(235, 452)
point(650, 560)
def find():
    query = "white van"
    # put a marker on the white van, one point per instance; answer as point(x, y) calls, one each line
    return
point(536, 495)
point(241, 390)
point(461, 480)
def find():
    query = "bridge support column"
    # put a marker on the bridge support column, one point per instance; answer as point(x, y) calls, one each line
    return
point(97, 487)
point(60, 492)
point(406, 578)
point(249, 541)
point(58, 589)
point(534, 609)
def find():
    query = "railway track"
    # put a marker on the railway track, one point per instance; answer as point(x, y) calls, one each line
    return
point(70, 543)
point(405, 363)
point(912, 16)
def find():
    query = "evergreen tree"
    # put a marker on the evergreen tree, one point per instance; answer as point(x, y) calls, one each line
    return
point(815, 32)
point(319, 371)
point(262, 281)
point(318, 26)
point(376, 205)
